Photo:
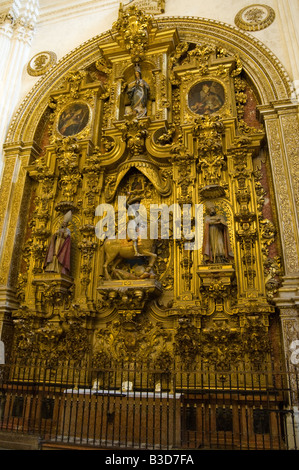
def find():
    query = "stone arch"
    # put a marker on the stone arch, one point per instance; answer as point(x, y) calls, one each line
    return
point(261, 65)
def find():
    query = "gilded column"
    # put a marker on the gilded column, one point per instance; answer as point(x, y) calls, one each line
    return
point(15, 42)
point(14, 199)
point(282, 125)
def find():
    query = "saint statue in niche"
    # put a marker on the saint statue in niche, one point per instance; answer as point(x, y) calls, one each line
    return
point(58, 257)
point(216, 243)
point(206, 97)
point(138, 92)
point(137, 224)
point(73, 119)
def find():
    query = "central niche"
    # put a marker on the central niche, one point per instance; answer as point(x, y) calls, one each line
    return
point(132, 256)
point(138, 95)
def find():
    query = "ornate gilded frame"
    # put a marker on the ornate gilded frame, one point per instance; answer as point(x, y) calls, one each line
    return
point(85, 131)
point(207, 78)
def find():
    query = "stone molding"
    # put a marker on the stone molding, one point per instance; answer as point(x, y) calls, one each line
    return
point(54, 12)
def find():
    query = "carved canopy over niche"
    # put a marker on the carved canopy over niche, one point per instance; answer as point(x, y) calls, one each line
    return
point(154, 117)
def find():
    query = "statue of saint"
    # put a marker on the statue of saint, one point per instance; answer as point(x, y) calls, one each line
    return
point(138, 93)
point(216, 243)
point(58, 258)
point(137, 225)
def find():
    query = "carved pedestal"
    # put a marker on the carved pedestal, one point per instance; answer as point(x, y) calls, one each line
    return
point(51, 288)
point(221, 274)
point(129, 294)
point(212, 191)
point(59, 284)
point(216, 288)
point(8, 304)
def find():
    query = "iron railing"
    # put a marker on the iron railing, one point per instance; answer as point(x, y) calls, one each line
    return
point(138, 407)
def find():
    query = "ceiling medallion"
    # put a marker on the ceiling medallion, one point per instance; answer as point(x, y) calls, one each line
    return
point(41, 63)
point(255, 17)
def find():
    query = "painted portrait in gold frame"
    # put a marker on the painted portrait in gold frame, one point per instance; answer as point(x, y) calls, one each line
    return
point(206, 97)
point(73, 119)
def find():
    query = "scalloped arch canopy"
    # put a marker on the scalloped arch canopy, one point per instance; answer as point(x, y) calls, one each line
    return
point(261, 65)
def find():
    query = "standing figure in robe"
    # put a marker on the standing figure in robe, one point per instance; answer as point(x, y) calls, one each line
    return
point(58, 258)
point(137, 224)
point(216, 243)
point(138, 93)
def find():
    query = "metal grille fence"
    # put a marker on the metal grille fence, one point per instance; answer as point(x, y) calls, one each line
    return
point(137, 407)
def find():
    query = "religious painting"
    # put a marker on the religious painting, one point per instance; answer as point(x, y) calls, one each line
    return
point(206, 97)
point(73, 119)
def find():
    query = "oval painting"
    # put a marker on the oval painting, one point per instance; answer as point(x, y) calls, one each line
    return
point(73, 119)
point(206, 97)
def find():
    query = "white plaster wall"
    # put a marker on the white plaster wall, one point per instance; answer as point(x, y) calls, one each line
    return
point(273, 36)
point(63, 36)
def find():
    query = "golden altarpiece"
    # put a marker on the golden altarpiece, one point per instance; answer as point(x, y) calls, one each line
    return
point(161, 113)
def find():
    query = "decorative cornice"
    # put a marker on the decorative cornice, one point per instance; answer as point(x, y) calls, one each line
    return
point(8, 300)
point(9, 15)
point(59, 11)
point(288, 294)
point(24, 30)
point(277, 107)
point(21, 26)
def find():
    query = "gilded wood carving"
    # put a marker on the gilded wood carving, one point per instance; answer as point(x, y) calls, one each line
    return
point(154, 123)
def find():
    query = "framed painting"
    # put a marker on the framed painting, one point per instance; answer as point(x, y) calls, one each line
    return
point(206, 97)
point(73, 119)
